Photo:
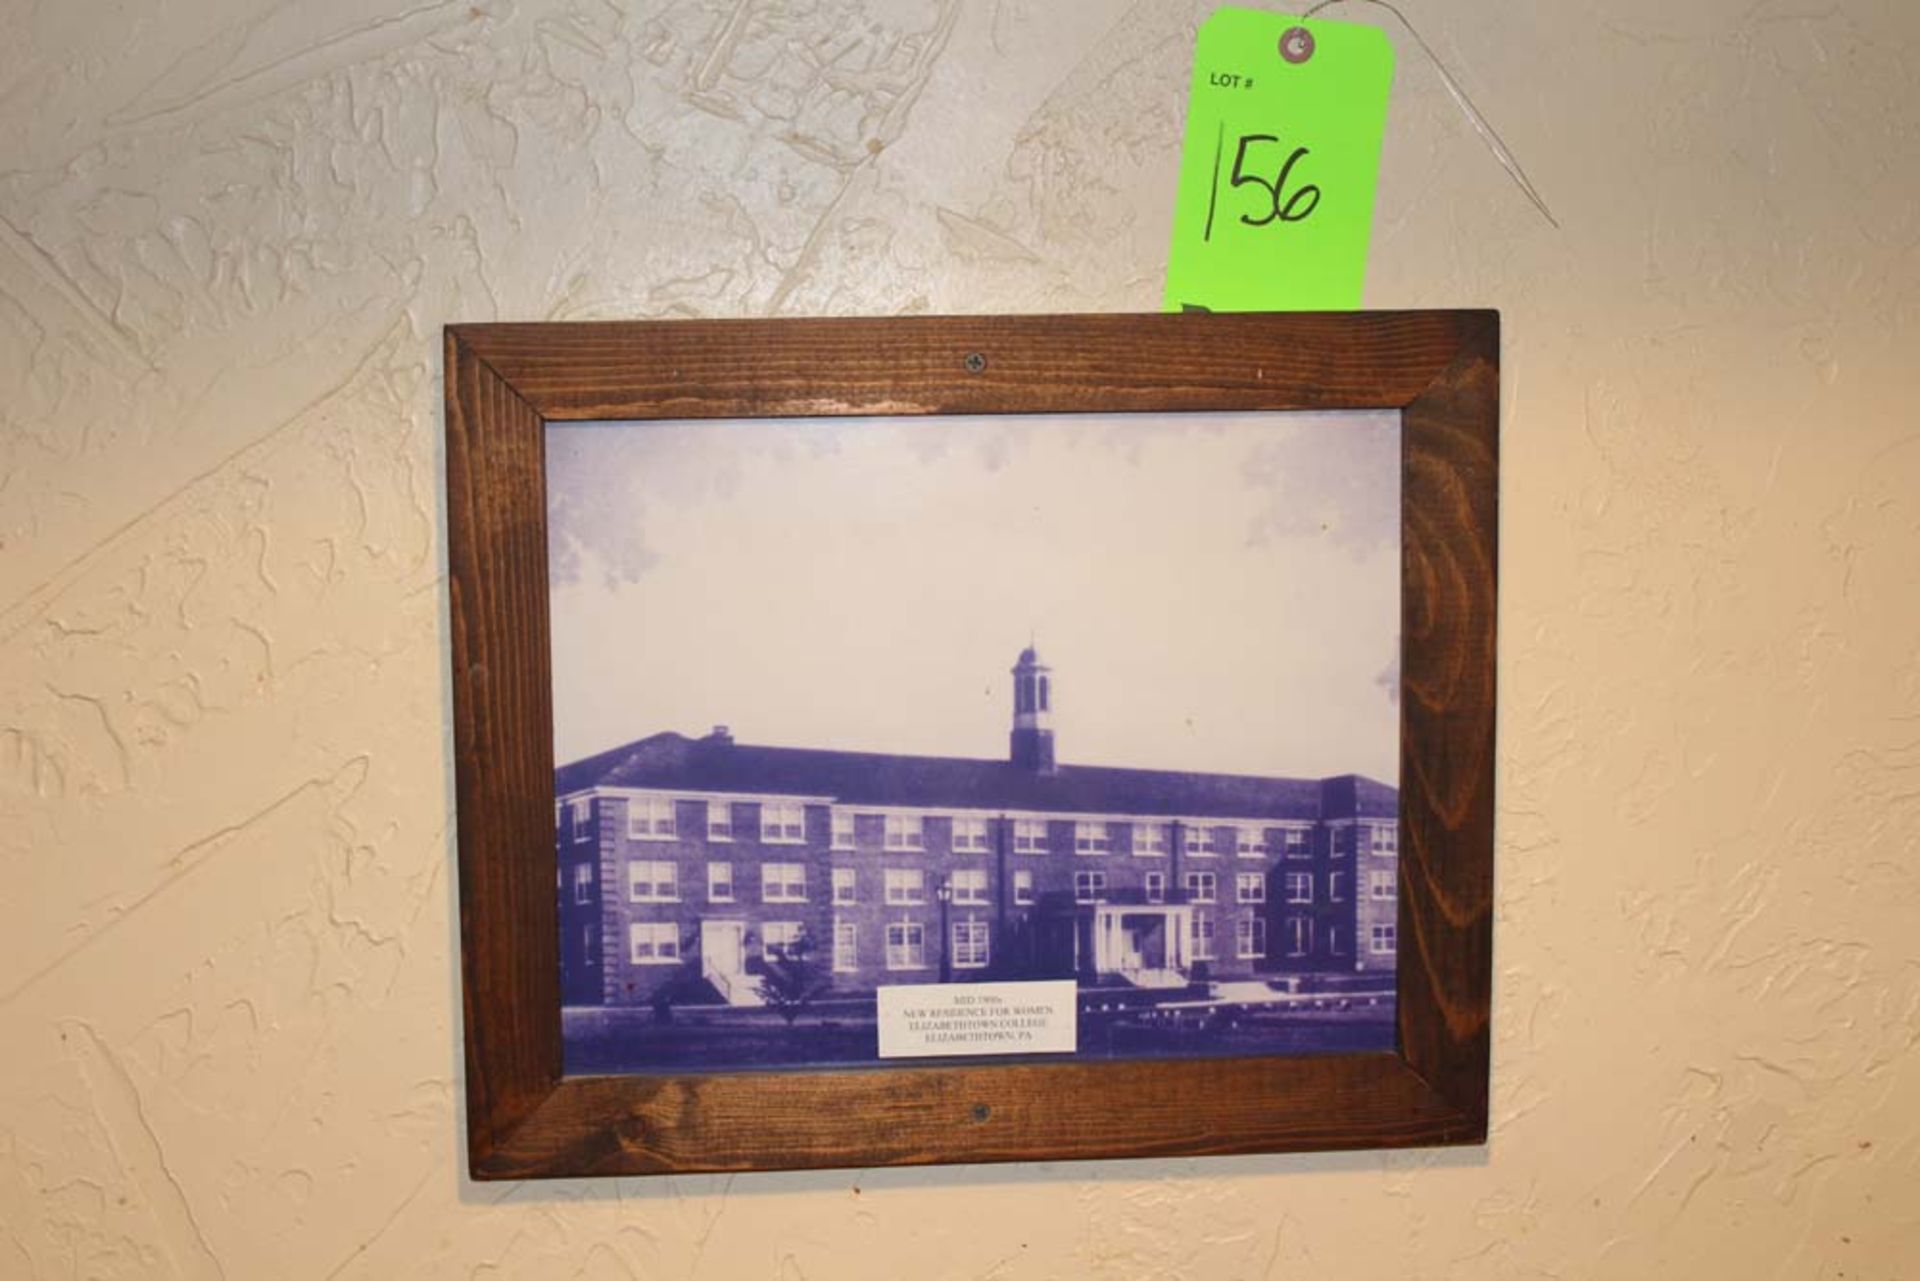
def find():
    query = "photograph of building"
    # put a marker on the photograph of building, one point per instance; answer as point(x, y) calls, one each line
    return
point(688, 865)
point(1205, 846)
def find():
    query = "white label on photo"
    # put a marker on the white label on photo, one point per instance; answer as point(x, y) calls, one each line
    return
point(921, 1020)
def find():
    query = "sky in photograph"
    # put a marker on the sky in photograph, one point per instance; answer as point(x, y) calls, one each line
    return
point(1214, 592)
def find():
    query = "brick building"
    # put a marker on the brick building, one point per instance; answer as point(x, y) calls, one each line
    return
point(686, 863)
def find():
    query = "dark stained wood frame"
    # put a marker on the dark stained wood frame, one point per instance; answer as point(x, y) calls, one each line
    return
point(504, 383)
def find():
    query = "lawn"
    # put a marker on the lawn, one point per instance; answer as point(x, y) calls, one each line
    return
point(844, 1035)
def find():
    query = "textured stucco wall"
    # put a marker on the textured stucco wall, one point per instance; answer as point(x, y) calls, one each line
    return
point(230, 231)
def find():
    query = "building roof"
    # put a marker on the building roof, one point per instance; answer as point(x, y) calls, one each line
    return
point(716, 764)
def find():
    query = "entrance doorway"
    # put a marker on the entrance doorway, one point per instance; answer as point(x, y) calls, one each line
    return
point(1145, 945)
point(723, 961)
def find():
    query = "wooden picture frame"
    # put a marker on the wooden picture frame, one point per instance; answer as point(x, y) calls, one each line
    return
point(505, 382)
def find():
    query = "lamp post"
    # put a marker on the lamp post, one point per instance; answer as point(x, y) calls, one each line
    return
point(944, 892)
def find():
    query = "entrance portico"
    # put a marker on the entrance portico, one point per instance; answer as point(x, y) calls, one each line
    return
point(723, 961)
point(1146, 944)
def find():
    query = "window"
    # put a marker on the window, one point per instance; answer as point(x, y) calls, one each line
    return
point(1336, 887)
point(843, 885)
point(1029, 836)
point(970, 885)
point(1250, 887)
point(653, 881)
point(1340, 841)
point(1295, 843)
point(1091, 838)
point(1336, 944)
point(590, 944)
point(719, 820)
point(783, 883)
point(906, 885)
point(653, 943)
point(1386, 840)
point(969, 945)
point(583, 882)
point(969, 835)
point(1149, 840)
point(783, 822)
point(846, 946)
point(650, 818)
point(1249, 937)
point(1382, 885)
point(1299, 935)
point(1088, 887)
point(1201, 887)
point(720, 882)
point(778, 938)
point(842, 829)
point(1198, 841)
point(1299, 887)
point(1382, 940)
point(1250, 842)
point(1156, 887)
point(1023, 887)
point(581, 813)
point(906, 946)
point(1203, 936)
point(905, 832)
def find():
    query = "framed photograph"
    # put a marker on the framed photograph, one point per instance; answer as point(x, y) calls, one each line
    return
point(972, 739)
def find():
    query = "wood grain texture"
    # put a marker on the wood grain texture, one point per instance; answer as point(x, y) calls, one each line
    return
point(503, 763)
point(1449, 515)
point(504, 382)
point(919, 365)
point(613, 1125)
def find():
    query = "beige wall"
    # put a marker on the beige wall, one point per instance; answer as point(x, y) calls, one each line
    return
point(229, 234)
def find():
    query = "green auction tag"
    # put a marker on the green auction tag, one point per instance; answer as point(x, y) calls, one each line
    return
point(1282, 155)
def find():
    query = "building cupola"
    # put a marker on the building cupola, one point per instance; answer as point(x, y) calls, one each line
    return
point(1032, 740)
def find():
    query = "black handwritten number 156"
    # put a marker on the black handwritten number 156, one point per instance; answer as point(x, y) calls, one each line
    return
point(1276, 204)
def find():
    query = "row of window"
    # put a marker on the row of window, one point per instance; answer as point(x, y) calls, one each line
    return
point(658, 942)
point(1297, 938)
point(1248, 887)
point(784, 823)
point(658, 881)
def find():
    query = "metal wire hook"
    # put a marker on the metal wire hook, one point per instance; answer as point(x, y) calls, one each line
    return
point(1481, 125)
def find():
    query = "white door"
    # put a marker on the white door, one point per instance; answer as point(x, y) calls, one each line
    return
point(723, 947)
